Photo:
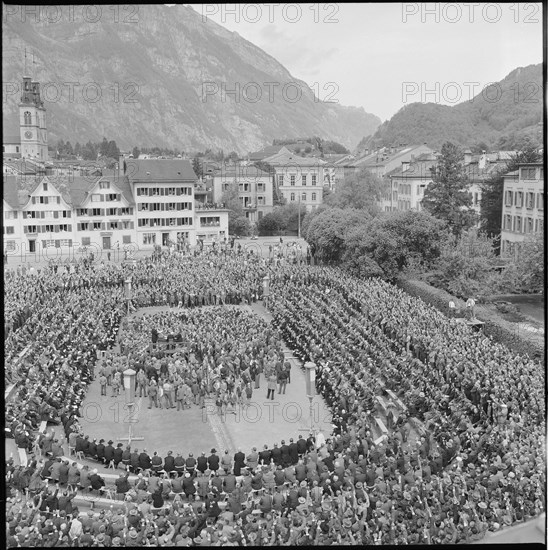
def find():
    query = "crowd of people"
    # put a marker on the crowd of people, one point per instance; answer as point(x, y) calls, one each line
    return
point(478, 465)
point(218, 352)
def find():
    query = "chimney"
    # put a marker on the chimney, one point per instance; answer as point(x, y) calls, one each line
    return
point(467, 156)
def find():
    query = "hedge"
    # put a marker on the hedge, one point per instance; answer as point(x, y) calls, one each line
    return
point(499, 329)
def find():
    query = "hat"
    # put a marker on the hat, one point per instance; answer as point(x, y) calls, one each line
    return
point(303, 484)
point(110, 442)
point(347, 523)
point(482, 505)
point(302, 500)
point(213, 450)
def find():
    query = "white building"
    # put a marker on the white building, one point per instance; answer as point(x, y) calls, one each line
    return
point(523, 206)
point(298, 179)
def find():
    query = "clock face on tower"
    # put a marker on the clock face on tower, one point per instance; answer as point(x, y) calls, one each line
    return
point(28, 134)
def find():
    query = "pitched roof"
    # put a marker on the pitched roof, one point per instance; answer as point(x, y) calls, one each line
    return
point(286, 158)
point(159, 170)
point(266, 152)
point(416, 169)
point(79, 188)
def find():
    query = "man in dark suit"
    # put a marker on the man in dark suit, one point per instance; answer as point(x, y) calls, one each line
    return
point(92, 449)
point(169, 462)
point(134, 461)
point(179, 464)
point(126, 457)
point(213, 461)
point(202, 463)
point(265, 455)
point(285, 458)
point(239, 462)
point(109, 452)
point(144, 460)
point(118, 453)
point(100, 450)
point(276, 454)
point(293, 451)
point(156, 463)
point(190, 464)
point(301, 445)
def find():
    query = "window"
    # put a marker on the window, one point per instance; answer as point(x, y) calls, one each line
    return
point(95, 212)
point(314, 177)
point(509, 197)
point(304, 179)
point(10, 245)
point(66, 214)
point(149, 238)
point(96, 226)
point(45, 186)
point(313, 197)
point(280, 179)
point(27, 118)
point(113, 197)
point(126, 239)
point(529, 227)
point(508, 222)
point(292, 179)
point(528, 173)
point(260, 200)
point(518, 227)
point(260, 187)
point(303, 196)
point(112, 211)
point(292, 197)
point(104, 185)
point(95, 197)
point(86, 241)
point(540, 201)
point(519, 199)
point(10, 215)
point(9, 230)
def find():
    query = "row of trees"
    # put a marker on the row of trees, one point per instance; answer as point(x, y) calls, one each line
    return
point(106, 149)
point(441, 243)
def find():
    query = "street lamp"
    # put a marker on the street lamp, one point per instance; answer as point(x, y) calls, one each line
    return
point(129, 386)
point(127, 292)
point(310, 378)
point(266, 288)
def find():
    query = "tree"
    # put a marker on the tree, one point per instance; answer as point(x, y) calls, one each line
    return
point(362, 190)
point(77, 149)
point(238, 224)
point(103, 148)
point(447, 197)
point(197, 166)
point(327, 231)
point(271, 224)
point(135, 152)
point(112, 151)
point(493, 189)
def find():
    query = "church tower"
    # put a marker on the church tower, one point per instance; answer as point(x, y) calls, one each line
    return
point(32, 122)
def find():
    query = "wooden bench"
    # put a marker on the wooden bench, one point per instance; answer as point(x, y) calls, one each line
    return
point(380, 403)
point(397, 401)
point(381, 426)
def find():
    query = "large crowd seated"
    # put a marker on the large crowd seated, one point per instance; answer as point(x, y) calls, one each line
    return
point(476, 465)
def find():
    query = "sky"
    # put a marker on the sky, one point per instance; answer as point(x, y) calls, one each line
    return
point(384, 56)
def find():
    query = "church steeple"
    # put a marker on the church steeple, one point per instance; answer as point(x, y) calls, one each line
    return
point(32, 122)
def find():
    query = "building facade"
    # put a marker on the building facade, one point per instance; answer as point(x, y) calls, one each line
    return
point(522, 207)
point(298, 179)
point(253, 186)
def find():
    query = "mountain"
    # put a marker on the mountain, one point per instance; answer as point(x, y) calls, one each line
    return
point(499, 117)
point(153, 75)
